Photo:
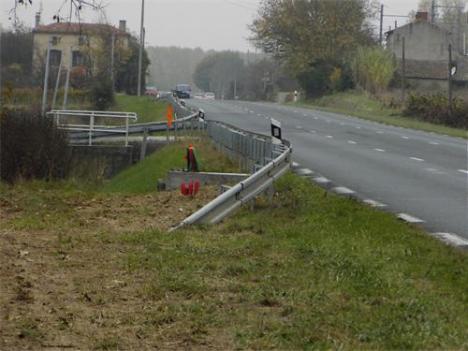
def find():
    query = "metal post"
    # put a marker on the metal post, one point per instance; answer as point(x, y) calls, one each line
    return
point(175, 126)
point(450, 102)
point(46, 79)
point(403, 71)
point(126, 131)
point(67, 81)
point(112, 60)
point(143, 144)
point(433, 11)
point(381, 24)
point(140, 55)
point(57, 82)
point(91, 127)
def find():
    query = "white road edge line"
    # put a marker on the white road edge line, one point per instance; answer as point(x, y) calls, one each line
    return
point(352, 142)
point(417, 159)
point(404, 137)
point(463, 171)
point(380, 150)
point(330, 136)
point(374, 203)
point(343, 190)
point(408, 218)
point(451, 239)
point(322, 180)
point(434, 143)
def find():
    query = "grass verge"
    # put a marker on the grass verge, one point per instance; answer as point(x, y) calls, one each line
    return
point(143, 176)
point(314, 272)
point(147, 109)
point(360, 105)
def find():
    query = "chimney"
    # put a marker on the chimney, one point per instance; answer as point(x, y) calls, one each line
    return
point(38, 19)
point(123, 25)
point(422, 16)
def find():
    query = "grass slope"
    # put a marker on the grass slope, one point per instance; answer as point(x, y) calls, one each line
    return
point(143, 176)
point(147, 109)
point(314, 272)
point(360, 105)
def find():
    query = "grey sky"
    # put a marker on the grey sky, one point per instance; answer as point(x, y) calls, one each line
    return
point(209, 24)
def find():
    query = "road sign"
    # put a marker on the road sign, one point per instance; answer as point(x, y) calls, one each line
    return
point(275, 129)
point(170, 115)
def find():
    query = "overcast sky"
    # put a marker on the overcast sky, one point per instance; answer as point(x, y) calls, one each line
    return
point(209, 24)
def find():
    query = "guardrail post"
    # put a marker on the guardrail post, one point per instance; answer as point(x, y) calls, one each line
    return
point(143, 144)
point(91, 127)
point(126, 131)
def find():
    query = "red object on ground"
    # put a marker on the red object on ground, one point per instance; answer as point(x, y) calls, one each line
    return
point(190, 189)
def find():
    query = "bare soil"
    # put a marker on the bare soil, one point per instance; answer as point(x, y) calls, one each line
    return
point(64, 283)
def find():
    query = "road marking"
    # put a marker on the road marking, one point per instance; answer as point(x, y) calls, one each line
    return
point(408, 218)
point(417, 159)
point(451, 239)
point(259, 114)
point(379, 132)
point(295, 165)
point(357, 127)
point(330, 136)
point(298, 127)
point(463, 171)
point(305, 115)
point(374, 203)
point(343, 190)
point(434, 143)
point(304, 172)
point(434, 170)
point(322, 180)
point(312, 131)
point(380, 150)
point(315, 118)
point(352, 142)
point(404, 137)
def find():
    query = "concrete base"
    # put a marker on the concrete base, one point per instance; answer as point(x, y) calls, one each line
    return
point(176, 178)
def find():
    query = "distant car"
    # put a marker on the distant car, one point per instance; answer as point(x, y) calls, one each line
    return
point(210, 96)
point(183, 91)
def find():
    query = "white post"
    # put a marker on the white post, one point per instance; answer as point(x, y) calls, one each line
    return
point(126, 131)
point(57, 82)
point(67, 81)
point(140, 55)
point(46, 79)
point(91, 127)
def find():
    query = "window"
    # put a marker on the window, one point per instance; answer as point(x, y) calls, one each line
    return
point(55, 57)
point(78, 59)
point(55, 40)
point(82, 40)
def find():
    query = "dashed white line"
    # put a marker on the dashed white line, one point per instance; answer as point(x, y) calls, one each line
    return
point(410, 219)
point(305, 115)
point(434, 170)
point(343, 190)
point(357, 127)
point(322, 180)
point(352, 142)
point(434, 143)
point(374, 203)
point(330, 136)
point(404, 137)
point(451, 239)
point(463, 171)
point(315, 118)
point(298, 127)
point(380, 150)
point(379, 132)
point(312, 131)
point(417, 159)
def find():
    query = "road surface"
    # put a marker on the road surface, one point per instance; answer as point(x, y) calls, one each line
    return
point(422, 176)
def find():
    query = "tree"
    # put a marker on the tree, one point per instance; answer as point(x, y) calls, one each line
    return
point(307, 34)
point(219, 72)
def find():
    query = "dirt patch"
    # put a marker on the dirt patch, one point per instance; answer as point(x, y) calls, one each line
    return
point(64, 281)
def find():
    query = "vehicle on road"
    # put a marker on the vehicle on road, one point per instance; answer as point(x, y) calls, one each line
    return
point(183, 91)
point(210, 96)
point(152, 91)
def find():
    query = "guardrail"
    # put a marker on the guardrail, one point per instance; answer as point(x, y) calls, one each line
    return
point(94, 125)
point(251, 187)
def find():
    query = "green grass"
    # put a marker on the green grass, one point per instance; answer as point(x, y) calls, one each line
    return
point(147, 109)
point(361, 105)
point(315, 271)
point(143, 176)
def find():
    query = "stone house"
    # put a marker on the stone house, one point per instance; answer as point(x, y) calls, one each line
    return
point(426, 53)
point(75, 44)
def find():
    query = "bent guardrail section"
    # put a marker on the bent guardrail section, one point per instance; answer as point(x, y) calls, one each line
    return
point(245, 191)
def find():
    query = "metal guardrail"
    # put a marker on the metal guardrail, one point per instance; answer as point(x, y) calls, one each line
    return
point(243, 192)
point(95, 120)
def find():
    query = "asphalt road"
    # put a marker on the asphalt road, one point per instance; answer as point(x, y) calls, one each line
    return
point(421, 175)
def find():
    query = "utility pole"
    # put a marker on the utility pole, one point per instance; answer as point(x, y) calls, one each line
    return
point(140, 56)
point(450, 102)
point(433, 9)
point(403, 71)
point(67, 80)
point(381, 24)
point(46, 79)
point(112, 60)
point(235, 89)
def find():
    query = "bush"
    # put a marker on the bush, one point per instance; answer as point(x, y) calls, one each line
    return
point(373, 69)
point(435, 109)
point(31, 147)
point(102, 94)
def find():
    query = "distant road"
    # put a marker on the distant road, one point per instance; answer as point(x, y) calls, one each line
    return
point(423, 176)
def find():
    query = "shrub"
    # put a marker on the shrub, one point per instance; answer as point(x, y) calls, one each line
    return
point(31, 147)
point(373, 69)
point(102, 94)
point(435, 109)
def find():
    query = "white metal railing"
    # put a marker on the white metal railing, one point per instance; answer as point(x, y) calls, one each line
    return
point(95, 118)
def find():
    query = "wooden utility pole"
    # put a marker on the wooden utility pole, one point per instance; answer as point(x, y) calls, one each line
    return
point(46, 79)
point(403, 71)
point(140, 55)
point(450, 102)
